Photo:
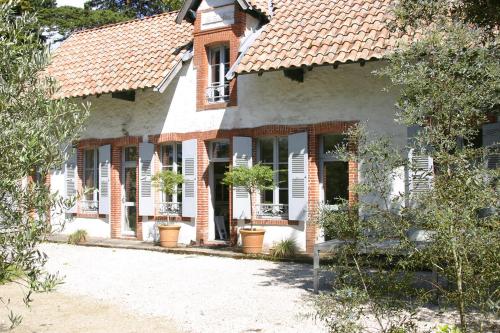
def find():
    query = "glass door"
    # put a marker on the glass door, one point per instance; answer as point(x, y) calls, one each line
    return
point(129, 191)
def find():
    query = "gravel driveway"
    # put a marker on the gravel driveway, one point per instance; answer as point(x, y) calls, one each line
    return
point(198, 293)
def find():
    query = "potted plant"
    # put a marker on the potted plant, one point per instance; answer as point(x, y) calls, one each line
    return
point(253, 179)
point(167, 181)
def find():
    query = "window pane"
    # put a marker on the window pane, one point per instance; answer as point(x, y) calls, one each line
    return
point(89, 158)
point(215, 75)
point(284, 197)
point(283, 149)
point(283, 176)
point(220, 149)
point(167, 157)
point(266, 150)
point(131, 154)
point(331, 141)
point(226, 55)
point(267, 197)
point(336, 181)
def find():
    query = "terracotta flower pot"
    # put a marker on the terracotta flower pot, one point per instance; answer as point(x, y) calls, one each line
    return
point(252, 240)
point(169, 234)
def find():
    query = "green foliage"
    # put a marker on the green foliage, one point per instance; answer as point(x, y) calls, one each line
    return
point(253, 179)
point(167, 181)
point(78, 237)
point(447, 329)
point(67, 19)
point(22, 6)
point(135, 8)
point(449, 84)
point(36, 131)
point(286, 248)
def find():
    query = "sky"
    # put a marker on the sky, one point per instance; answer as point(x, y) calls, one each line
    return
point(74, 3)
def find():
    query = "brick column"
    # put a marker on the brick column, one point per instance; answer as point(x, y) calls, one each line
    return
point(138, 225)
point(313, 190)
point(202, 194)
point(116, 200)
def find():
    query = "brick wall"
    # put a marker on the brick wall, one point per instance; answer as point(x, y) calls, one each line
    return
point(313, 130)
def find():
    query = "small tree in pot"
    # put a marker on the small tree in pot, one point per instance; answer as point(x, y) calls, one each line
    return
point(253, 179)
point(168, 181)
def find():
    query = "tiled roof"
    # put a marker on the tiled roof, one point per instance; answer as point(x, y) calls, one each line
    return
point(317, 32)
point(130, 55)
point(261, 5)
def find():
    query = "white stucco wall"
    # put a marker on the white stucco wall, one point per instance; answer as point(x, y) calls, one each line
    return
point(66, 224)
point(277, 233)
point(187, 232)
point(348, 93)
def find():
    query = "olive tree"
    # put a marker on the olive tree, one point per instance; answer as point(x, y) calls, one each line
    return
point(36, 134)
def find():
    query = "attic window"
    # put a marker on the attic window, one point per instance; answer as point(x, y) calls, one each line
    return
point(127, 95)
point(218, 86)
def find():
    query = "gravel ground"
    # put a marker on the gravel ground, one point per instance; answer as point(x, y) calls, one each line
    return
point(61, 313)
point(197, 293)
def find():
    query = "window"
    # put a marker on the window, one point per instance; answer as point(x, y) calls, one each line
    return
point(218, 87)
point(273, 152)
point(90, 180)
point(334, 172)
point(220, 150)
point(171, 159)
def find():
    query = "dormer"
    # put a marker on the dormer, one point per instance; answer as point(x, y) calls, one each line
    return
point(220, 26)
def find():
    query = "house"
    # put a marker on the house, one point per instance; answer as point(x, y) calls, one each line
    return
point(223, 83)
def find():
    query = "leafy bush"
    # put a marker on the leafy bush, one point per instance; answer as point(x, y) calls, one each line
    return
point(284, 249)
point(78, 237)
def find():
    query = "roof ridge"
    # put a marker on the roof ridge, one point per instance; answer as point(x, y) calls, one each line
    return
point(106, 26)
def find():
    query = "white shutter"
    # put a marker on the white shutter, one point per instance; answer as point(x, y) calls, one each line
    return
point(421, 172)
point(491, 139)
point(297, 176)
point(104, 179)
point(242, 157)
point(70, 173)
point(189, 172)
point(146, 152)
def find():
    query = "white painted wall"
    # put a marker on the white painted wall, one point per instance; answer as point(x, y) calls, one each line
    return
point(66, 224)
point(186, 234)
point(350, 92)
point(277, 233)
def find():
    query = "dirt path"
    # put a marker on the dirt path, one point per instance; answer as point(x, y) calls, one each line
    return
point(57, 312)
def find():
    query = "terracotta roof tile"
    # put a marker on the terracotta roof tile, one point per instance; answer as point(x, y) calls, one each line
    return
point(317, 32)
point(129, 55)
point(261, 5)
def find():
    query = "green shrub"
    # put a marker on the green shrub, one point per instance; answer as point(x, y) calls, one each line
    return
point(284, 249)
point(78, 237)
point(447, 329)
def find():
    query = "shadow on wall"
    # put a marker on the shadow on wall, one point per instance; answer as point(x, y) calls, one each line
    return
point(294, 275)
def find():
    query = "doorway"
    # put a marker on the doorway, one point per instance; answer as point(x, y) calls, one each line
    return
point(129, 191)
point(219, 164)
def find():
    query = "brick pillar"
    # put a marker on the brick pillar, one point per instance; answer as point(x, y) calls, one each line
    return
point(313, 190)
point(202, 195)
point(116, 200)
point(353, 180)
point(138, 228)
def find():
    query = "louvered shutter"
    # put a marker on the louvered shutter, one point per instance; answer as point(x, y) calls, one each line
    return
point(104, 179)
point(491, 139)
point(242, 157)
point(189, 171)
point(297, 176)
point(70, 174)
point(420, 173)
point(146, 151)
